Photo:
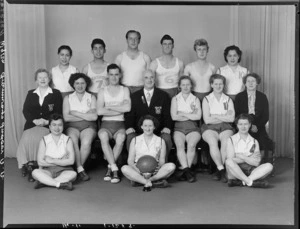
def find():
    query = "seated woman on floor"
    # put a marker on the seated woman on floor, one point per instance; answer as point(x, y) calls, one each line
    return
point(39, 104)
point(186, 112)
point(79, 110)
point(218, 114)
point(253, 102)
point(243, 157)
point(148, 144)
point(55, 158)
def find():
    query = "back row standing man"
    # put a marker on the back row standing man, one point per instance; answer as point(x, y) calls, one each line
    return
point(167, 67)
point(133, 62)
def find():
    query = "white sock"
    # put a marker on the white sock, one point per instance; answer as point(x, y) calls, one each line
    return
point(250, 183)
point(220, 167)
point(80, 169)
point(57, 185)
point(108, 166)
point(114, 167)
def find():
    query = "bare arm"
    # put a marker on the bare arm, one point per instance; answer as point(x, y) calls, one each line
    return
point(231, 152)
point(118, 60)
point(101, 109)
point(181, 68)
point(85, 69)
point(162, 156)
point(153, 65)
point(186, 70)
point(66, 111)
point(253, 159)
point(229, 116)
point(147, 60)
point(196, 114)
point(66, 160)
point(126, 104)
point(131, 155)
point(207, 117)
point(174, 113)
point(91, 115)
point(41, 155)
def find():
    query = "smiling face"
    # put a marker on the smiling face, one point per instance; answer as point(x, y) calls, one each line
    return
point(185, 86)
point(42, 79)
point(114, 76)
point(98, 51)
point(80, 85)
point(64, 57)
point(218, 86)
point(243, 126)
point(56, 127)
point(251, 83)
point(232, 58)
point(167, 47)
point(148, 127)
point(133, 40)
point(201, 52)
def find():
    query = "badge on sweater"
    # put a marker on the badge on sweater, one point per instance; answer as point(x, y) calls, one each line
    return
point(50, 107)
point(157, 110)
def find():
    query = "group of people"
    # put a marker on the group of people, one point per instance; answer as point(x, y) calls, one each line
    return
point(149, 106)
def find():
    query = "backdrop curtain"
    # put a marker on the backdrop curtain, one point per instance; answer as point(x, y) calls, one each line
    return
point(25, 53)
point(266, 35)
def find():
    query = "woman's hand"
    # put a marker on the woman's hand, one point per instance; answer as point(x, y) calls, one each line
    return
point(49, 159)
point(38, 122)
point(254, 129)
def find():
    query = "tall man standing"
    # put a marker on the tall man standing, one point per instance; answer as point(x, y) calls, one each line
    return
point(133, 62)
point(167, 67)
point(150, 101)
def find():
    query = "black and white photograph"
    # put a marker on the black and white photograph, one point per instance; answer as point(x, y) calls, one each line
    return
point(126, 114)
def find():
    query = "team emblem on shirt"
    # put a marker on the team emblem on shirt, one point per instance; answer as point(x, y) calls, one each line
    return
point(50, 106)
point(157, 110)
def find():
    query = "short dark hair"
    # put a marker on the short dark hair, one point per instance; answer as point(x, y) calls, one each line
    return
point(254, 75)
point(148, 117)
point(166, 37)
point(245, 117)
point(65, 47)
point(233, 47)
point(133, 31)
point(214, 77)
point(184, 77)
point(76, 76)
point(98, 41)
point(54, 117)
point(113, 66)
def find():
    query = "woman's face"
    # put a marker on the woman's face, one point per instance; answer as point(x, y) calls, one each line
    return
point(64, 57)
point(251, 83)
point(80, 85)
point(218, 85)
point(185, 86)
point(232, 58)
point(243, 126)
point(201, 52)
point(42, 79)
point(148, 127)
point(56, 127)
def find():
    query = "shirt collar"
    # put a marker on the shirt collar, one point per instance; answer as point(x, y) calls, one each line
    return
point(151, 92)
point(248, 139)
point(37, 91)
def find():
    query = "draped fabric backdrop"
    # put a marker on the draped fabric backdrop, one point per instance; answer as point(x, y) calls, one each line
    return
point(266, 35)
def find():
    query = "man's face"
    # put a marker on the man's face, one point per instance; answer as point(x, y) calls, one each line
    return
point(133, 40)
point(98, 51)
point(149, 80)
point(167, 46)
point(114, 76)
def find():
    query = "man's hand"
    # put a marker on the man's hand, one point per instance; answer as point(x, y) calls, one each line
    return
point(129, 131)
point(254, 129)
point(166, 130)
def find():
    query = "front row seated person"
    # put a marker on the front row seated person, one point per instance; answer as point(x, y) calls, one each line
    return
point(55, 158)
point(218, 114)
point(243, 157)
point(79, 111)
point(186, 112)
point(148, 144)
point(113, 101)
point(155, 102)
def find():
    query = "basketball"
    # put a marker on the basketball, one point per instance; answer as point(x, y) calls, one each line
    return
point(146, 164)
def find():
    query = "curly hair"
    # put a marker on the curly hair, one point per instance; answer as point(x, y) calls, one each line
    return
point(148, 117)
point(76, 76)
point(254, 75)
point(54, 117)
point(233, 47)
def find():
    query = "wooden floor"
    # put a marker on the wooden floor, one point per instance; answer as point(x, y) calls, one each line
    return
point(97, 202)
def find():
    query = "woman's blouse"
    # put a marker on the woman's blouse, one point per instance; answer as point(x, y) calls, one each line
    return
point(54, 150)
point(61, 79)
point(188, 105)
point(82, 106)
point(218, 107)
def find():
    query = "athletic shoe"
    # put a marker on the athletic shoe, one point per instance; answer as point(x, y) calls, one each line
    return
point(160, 184)
point(232, 183)
point(147, 189)
point(223, 176)
point(66, 186)
point(83, 176)
point(115, 179)
point(107, 175)
point(260, 184)
point(38, 185)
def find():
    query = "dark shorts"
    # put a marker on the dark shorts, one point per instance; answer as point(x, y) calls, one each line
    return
point(216, 127)
point(186, 127)
point(246, 168)
point(81, 125)
point(57, 170)
point(112, 127)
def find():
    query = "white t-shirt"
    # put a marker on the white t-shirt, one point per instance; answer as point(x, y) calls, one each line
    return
point(61, 79)
point(54, 150)
point(153, 149)
point(234, 79)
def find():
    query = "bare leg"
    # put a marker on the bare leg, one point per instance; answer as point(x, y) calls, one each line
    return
point(234, 171)
point(74, 135)
point(44, 177)
point(66, 176)
point(133, 175)
point(119, 139)
point(261, 171)
point(223, 138)
point(192, 139)
point(179, 139)
point(86, 138)
point(212, 138)
point(164, 172)
point(104, 138)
